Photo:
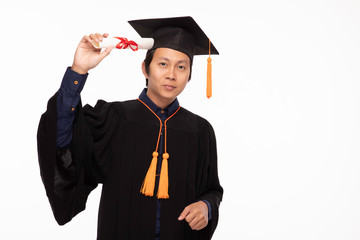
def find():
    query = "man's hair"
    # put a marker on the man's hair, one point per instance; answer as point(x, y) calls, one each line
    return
point(148, 58)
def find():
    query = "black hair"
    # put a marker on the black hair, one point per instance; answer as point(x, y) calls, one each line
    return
point(148, 58)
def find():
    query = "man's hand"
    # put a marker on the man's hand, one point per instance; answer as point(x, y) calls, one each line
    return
point(87, 56)
point(196, 214)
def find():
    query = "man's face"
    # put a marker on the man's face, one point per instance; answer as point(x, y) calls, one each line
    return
point(169, 73)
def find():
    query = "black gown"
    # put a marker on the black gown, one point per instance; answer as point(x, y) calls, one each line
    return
point(112, 144)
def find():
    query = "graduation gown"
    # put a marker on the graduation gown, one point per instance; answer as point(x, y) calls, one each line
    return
point(112, 144)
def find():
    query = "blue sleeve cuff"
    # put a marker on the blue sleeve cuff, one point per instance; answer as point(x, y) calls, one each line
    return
point(69, 92)
point(209, 208)
point(67, 100)
point(73, 82)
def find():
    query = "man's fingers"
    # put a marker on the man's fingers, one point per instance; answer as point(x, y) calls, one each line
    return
point(99, 36)
point(195, 215)
point(95, 37)
point(199, 226)
point(190, 217)
point(85, 39)
point(106, 52)
point(198, 223)
point(193, 224)
point(184, 213)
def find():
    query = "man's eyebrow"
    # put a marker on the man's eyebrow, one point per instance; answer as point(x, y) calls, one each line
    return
point(182, 61)
point(167, 59)
point(164, 58)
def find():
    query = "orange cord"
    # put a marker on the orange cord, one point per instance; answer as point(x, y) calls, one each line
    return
point(157, 144)
point(147, 188)
point(166, 127)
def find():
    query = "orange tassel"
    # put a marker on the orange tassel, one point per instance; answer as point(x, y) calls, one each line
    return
point(164, 179)
point(147, 188)
point(209, 83)
point(148, 185)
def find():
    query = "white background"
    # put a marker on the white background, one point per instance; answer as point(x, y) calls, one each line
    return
point(285, 109)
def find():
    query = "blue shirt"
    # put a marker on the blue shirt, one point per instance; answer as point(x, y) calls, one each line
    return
point(68, 98)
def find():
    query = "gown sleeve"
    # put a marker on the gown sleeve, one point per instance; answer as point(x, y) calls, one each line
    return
point(70, 173)
point(208, 180)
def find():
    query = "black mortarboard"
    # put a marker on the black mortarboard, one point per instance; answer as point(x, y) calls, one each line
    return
point(180, 33)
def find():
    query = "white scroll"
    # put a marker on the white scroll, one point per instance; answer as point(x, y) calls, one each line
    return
point(124, 43)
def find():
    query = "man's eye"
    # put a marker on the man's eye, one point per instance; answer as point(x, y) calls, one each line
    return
point(181, 67)
point(162, 64)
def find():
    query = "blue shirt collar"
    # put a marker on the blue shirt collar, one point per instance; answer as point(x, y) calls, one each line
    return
point(168, 111)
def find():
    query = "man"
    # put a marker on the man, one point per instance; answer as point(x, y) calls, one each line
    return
point(174, 195)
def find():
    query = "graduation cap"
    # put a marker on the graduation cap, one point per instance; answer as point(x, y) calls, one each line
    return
point(180, 33)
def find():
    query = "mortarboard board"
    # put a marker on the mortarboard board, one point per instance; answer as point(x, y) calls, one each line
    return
point(179, 33)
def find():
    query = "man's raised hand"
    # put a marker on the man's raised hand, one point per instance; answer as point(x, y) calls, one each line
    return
point(87, 56)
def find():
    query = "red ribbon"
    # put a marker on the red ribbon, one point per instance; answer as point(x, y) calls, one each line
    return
point(124, 43)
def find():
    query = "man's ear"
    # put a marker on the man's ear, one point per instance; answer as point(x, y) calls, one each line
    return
point(144, 70)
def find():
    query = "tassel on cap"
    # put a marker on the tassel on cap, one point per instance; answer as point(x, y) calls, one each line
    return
point(209, 83)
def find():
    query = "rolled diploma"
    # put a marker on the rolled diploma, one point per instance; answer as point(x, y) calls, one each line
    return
point(143, 43)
